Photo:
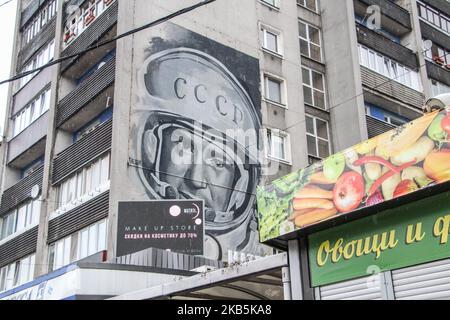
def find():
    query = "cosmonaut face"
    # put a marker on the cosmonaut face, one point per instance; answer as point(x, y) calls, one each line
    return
point(197, 167)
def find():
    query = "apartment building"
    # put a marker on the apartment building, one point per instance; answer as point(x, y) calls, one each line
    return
point(313, 76)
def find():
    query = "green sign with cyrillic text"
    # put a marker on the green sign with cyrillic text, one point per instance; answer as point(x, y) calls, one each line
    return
point(397, 238)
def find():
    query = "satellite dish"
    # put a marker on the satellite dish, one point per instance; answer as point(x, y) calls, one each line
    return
point(35, 192)
point(427, 45)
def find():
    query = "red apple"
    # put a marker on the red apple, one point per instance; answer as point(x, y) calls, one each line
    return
point(349, 191)
point(405, 187)
point(446, 124)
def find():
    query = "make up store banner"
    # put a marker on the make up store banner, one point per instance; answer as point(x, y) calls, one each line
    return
point(399, 162)
point(175, 225)
point(397, 238)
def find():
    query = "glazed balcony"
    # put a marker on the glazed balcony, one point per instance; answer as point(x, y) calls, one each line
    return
point(21, 191)
point(88, 100)
point(394, 18)
point(89, 147)
point(84, 31)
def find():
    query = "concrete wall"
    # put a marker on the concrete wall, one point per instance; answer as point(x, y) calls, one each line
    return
point(222, 22)
point(343, 74)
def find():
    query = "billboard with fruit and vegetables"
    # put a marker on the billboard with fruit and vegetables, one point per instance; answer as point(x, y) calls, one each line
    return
point(401, 161)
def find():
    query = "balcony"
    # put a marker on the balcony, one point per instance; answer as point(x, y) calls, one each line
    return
point(435, 14)
point(380, 85)
point(394, 18)
point(29, 145)
point(386, 46)
point(438, 72)
point(376, 127)
point(78, 218)
point(18, 247)
point(442, 5)
point(103, 27)
point(88, 100)
point(46, 34)
point(89, 147)
point(21, 191)
point(431, 33)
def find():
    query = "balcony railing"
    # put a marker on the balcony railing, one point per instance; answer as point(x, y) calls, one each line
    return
point(18, 247)
point(391, 89)
point(86, 92)
point(89, 147)
point(21, 191)
point(78, 218)
point(376, 127)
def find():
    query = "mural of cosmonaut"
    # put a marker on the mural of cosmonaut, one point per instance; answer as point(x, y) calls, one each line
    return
point(194, 100)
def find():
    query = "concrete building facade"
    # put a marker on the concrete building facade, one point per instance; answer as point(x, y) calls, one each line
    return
point(307, 78)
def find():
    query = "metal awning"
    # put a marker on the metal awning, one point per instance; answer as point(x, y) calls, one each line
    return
point(263, 279)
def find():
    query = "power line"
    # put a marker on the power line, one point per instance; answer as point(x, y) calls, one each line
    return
point(103, 43)
point(5, 3)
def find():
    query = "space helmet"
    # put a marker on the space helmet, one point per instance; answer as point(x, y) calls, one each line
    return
point(191, 90)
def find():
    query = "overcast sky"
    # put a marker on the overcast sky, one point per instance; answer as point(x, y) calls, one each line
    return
point(7, 19)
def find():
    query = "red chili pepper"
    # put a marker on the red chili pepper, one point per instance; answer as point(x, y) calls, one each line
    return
point(375, 159)
point(388, 175)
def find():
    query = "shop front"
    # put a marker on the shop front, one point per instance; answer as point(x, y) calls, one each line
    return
point(371, 222)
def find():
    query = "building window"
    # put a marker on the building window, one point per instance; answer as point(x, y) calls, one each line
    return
point(384, 115)
point(434, 17)
point(44, 16)
point(278, 145)
point(318, 137)
point(271, 40)
point(439, 88)
point(33, 111)
point(389, 68)
point(17, 273)
point(59, 254)
point(22, 218)
point(314, 88)
point(309, 4)
point(86, 181)
point(310, 43)
point(44, 56)
point(78, 246)
point(272, 3)
point(92, 240)
point(274, 88)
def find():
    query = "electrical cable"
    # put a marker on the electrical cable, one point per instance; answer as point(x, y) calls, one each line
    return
point(106, 42)
point(5, 3)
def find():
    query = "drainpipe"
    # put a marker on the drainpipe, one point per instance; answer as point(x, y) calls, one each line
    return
point(286, 283)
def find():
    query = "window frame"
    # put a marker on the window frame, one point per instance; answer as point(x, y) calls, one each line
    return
point(316, 136)
point(309, 41)
point(283, 90)
point(307, 8)
point(275, 6)
point(264, 29)
point(311, 87)
point(287, 145)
